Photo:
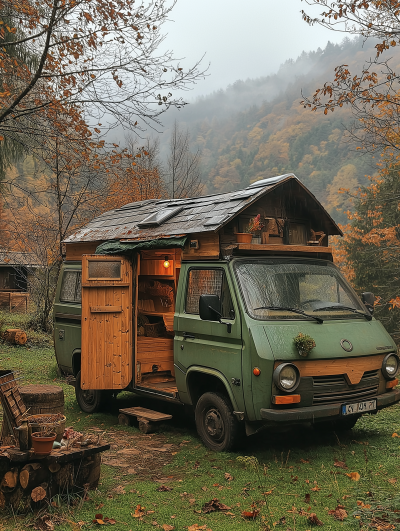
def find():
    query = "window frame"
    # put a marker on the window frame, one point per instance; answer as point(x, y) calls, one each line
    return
point(224, 273)
point(66, 271)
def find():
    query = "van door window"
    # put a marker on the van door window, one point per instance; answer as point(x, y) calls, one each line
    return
point(71, 287)
point(208, 282)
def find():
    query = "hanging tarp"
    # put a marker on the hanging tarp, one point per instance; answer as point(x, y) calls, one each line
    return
point(127, 248)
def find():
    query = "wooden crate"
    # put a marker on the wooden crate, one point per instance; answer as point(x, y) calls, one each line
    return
point(14, 301)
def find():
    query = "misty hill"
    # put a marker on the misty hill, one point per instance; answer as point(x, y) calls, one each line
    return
point(258, 128)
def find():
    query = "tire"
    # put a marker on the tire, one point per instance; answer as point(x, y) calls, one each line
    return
point(89, 401)
point(217, 427)
point(336, 425)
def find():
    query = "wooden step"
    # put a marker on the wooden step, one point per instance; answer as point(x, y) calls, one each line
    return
point(146, 417)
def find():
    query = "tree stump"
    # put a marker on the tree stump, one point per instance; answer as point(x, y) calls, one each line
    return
point(43, 398)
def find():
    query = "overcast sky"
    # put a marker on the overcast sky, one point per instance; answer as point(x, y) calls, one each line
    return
point(241, 38)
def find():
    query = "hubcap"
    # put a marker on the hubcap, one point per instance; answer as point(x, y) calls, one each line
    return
point(214, 424)
point(88, 397)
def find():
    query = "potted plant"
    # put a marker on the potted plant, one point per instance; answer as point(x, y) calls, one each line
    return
point(42, 442)
point(248, 234)
point(304, 344)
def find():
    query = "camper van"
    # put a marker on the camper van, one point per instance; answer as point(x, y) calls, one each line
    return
point(229, 304)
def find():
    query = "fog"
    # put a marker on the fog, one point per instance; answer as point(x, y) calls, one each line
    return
point(241, 40)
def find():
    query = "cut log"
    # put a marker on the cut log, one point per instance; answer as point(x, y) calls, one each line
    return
point(39, 493)
point(10, 480)
point(15, 336)
point(54, 467)
point(32, 475)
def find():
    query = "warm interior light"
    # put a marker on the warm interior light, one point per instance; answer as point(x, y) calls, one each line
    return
point(166, 263)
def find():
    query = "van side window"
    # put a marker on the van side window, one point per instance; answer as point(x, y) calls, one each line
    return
point(208, 282)
point(71, 287)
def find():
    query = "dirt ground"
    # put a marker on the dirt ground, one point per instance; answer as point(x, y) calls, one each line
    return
point(137, 453)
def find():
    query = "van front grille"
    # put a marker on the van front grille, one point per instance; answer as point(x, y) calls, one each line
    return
point(329, 389)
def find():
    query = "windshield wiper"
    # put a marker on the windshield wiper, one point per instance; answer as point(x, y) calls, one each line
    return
point(367, 316)
point(294, 310)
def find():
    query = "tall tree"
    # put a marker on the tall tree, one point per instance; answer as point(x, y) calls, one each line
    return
point(373, 93)
point(98, 59)
point(183, 165)
point(372, 245)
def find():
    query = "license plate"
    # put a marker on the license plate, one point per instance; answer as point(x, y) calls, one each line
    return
point(358, 407)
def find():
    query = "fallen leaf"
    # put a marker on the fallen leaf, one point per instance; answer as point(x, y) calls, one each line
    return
point(307, 498)
point(98, 521)
point(339, 513)
point(139, 512)
point(197, 527)
point(214, 505)
point(167, 527)
point(304, 461)
point(340, 464)
point(204, 488)
point(392, 481)
point(163, 488)
point(355, 476)
point(316, 488)
point(314, 520)
point(346, 496)
point(192, 501)
point(363, 505)
point(395, 434)
point(119, 489)
point(251, 514)
point(228, 477)
point(268, 492)
point(196, 465)
point(294, 478)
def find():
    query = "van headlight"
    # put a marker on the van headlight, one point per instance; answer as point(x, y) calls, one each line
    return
point(390, 366)
point(286, 377)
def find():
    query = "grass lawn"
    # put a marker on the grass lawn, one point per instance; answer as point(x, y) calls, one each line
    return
point(290, 477)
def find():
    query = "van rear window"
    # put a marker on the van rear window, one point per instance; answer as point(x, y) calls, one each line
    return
point(71, 287)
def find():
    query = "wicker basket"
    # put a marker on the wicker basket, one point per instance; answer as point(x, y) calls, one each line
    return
point(154, 329)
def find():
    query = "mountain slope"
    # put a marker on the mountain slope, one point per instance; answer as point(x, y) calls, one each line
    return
point(258, 128)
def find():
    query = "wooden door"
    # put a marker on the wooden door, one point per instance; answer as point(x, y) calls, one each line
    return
point(106, 322)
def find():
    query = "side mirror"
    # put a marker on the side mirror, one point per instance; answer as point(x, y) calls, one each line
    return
point(368, 299)
point(210, 308)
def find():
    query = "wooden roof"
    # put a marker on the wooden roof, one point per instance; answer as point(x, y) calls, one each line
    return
point(195, 215)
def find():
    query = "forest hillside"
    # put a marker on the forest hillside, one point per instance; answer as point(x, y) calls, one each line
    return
point(258, 128)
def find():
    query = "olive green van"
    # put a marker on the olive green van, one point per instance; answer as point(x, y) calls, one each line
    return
point(164, 299)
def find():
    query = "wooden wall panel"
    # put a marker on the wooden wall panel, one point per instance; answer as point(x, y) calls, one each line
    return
point(208, 246)
point(74, 251)
point(107, 335)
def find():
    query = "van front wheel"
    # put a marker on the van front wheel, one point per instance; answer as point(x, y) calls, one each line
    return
point(90, 401)
point(217, 427)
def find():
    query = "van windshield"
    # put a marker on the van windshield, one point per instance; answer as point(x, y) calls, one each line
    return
point(271, 287)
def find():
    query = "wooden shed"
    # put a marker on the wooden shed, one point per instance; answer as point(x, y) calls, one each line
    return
point(15, 270)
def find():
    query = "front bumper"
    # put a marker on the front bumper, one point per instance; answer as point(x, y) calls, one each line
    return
point(330, 411)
